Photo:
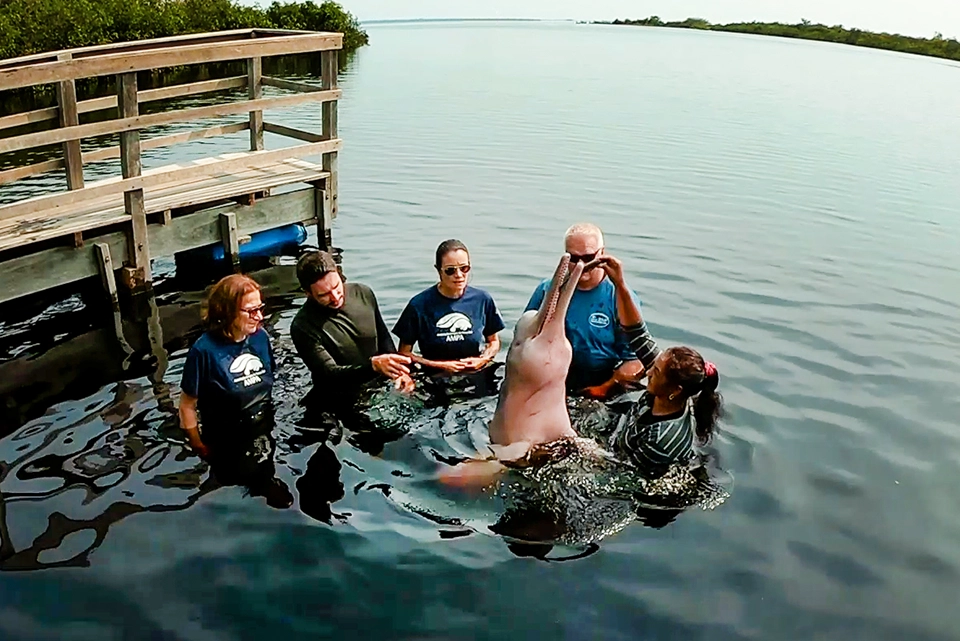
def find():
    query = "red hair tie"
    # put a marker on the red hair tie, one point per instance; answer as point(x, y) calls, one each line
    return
point(709, 369)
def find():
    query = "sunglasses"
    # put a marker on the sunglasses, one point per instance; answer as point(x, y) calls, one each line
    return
point(583, 258)
point(452, 269)
point(254, 310)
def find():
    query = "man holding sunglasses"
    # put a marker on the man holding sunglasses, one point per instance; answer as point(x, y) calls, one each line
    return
point(340, 334)
point(603, 362)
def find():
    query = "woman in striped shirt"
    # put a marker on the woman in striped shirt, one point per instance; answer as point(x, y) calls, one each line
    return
point(681, 402)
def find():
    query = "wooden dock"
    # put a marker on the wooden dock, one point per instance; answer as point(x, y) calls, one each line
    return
point(113, 228)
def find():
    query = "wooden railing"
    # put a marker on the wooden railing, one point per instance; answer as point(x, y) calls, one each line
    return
point(124, 60)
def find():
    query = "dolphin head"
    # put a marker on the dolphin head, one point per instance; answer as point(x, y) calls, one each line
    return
point(548, 321)
point(531, 407)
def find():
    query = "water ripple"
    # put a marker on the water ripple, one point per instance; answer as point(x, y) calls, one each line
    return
point(821, 278)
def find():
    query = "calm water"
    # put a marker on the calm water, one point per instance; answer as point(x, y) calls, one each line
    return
point(788, 208)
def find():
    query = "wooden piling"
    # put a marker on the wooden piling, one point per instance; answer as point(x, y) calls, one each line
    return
point(324, 218)
point(105, 266)
point(230, 238)
point(137, 272)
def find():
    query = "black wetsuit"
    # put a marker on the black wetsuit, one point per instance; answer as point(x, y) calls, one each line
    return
point(337, 344)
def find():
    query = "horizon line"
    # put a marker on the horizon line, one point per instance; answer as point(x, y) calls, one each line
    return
point(452, 19)
point(385, 21)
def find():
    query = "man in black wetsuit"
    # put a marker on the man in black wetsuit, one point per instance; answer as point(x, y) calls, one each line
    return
point(340, 335)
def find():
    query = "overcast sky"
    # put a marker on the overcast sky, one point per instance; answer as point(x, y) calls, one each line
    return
point(914, 17)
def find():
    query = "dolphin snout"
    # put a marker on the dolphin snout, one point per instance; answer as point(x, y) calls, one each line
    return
point(557, 299)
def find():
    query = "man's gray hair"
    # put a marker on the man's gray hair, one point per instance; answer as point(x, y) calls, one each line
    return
point(584, 229)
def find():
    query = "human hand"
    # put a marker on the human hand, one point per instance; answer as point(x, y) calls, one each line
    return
point(613, 267)
point(451, 367)
point(391, 365)
point(628, 374)
point(202, 450)
point(599, 392)
point(474, 362)
point(404, 384)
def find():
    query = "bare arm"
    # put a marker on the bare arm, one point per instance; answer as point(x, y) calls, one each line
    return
point(641, 342)
point(189, 423)
point(487, 355)
point(627, 308)
point(631, 320)
point(446, 366)
point(492, 349)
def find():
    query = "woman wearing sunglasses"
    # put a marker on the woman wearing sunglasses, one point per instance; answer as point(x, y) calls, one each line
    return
point(454, 324)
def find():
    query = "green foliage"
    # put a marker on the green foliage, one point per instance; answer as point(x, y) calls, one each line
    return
point(938, 46)
point(309, 16)
point(34, 26)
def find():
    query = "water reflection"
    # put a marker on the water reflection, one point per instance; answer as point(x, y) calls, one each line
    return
point(85, 468)
point(574, 501)
point(100, 456)
point(110, 446)
point(320, 486)
point(249, 462)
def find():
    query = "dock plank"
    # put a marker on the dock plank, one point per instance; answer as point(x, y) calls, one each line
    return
point(89, 215)
point(25, 275)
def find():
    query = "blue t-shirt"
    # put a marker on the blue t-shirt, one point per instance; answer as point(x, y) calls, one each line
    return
point(229, 379)
point(449, 328)
point(593, 328)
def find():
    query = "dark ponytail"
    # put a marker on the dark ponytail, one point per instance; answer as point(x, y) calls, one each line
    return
point(708, 406)
point(697, 378)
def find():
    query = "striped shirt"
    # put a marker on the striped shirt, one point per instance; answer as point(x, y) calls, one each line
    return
point(653, 445)
point(642, 344)
point(650, 444)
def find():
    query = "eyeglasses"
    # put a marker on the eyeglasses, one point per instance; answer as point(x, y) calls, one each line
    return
point(254, 310)
point(452, 269)
point(583, 258)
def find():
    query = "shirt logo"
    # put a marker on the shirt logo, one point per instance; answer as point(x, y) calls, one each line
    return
point(599, 319)
point(453, 327)
point(249, 368)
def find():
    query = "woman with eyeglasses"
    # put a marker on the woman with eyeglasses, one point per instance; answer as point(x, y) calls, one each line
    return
point(454, 324)
point(228, 374)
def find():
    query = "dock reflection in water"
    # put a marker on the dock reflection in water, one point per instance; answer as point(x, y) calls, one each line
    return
point(74, 463)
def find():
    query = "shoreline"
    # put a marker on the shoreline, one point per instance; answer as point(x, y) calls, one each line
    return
point(29, 27)
point(936, 47)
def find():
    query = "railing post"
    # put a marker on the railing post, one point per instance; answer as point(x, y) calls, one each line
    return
point(328, 80)
point(69, 117)
point(137, 272)
point(255, 92)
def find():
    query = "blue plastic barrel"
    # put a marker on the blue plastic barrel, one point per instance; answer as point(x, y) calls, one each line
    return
point(272, 242)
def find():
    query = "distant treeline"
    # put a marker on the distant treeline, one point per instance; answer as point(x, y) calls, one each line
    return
point(938, 46)
point(34, 26)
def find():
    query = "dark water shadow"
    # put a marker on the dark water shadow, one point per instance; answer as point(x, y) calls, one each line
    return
point(89, 414)
point(124, 446)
